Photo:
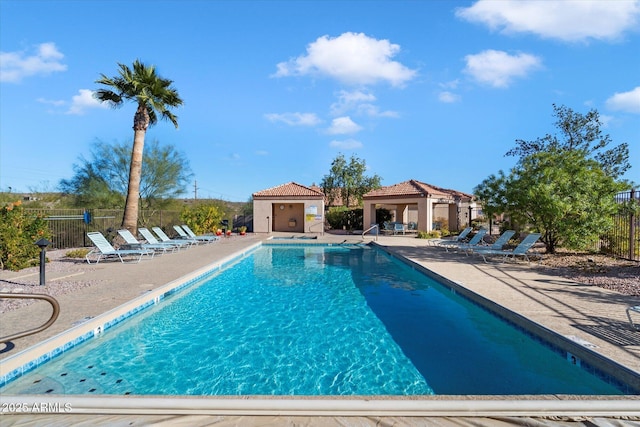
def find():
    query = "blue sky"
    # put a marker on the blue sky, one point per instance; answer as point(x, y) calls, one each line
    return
point(436, 91)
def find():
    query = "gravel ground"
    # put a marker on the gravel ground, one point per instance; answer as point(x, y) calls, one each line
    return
point(28, 282)
point(618, 275)
point(599, 270)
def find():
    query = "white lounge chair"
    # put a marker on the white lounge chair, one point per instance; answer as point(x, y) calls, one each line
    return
point(133, 243)
point(474, 242)
point(149, 237)
point(104, 250)
point(635, 309)
point(185, 232)
point(498, 245)
point(182, 243)
point(520, 250)
point(459, 238)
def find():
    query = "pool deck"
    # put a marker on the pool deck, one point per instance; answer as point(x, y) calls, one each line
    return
point(590, 316)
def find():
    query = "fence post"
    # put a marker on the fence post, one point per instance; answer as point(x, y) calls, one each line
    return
point(632, 226)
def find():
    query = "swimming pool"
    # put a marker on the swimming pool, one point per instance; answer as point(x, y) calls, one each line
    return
point(313, 320)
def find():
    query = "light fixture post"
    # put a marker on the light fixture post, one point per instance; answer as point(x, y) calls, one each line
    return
point(42, 244)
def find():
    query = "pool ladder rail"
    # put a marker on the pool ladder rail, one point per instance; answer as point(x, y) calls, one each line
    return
point(369, 229)
point(51, 300)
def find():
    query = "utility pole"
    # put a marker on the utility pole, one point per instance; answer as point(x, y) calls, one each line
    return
point(195, 190)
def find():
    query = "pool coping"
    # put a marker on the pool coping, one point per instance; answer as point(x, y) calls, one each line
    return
point(476, 405)
point(406, 406)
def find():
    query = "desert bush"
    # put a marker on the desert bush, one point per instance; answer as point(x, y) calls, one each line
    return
point(433, 234)
point(77, 253)
point(202, 218)
point(18, 233)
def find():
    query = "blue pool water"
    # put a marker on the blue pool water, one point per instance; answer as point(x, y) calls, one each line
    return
point(313, 320)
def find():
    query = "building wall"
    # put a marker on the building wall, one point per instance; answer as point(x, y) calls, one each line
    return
point(296, 215)
point(417, 210)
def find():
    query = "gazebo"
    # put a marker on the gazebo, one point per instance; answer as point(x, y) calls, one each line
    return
point(289, 207)
point(415, 201)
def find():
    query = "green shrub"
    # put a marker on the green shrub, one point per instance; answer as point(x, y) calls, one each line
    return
point(202, 218)
point(77, 253)
point(18, 234)
point(433, 234)
point(344, 218)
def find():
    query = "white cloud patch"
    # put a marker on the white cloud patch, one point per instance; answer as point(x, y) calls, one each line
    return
point(78, 105)
point(448, 97)
point(343, 126)
point(261, 153)
point(349, 101)
point(606, 120)
point(83, 101)
point(350, 58)
point(374, 111)
point(347, 144)
point(15, 66)
point(566, 20)
point(294, 119)
point(360, 102)
point(498, 69)
point(54, 102)
point(453, 84)
point(626, 101)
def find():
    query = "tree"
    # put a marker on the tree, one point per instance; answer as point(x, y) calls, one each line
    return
point(348, 181)
point(563, 189)
point(583, 133)
point(101, 182)
point(154, 96)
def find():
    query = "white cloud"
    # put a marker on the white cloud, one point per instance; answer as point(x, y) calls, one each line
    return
point(343, 125)
point(350, 58)
point(567, 20)
point(498, 68)
point(14, 66)
point(374, 111)
point(54, 102)
point(294, 119)
point(453, 84)
point(360, 102)
point(448, 97)
point(83, 101)
point(605, 120)
point(78, 105)
point(625, 101)
point(348, 101)
point(261, 153)
point(347, 144)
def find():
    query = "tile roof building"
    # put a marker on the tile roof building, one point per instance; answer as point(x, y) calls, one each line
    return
point(415, 201)
point(288, 207)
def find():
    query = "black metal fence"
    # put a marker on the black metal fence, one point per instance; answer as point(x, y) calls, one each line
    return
point(69, 227)
point(623, 240)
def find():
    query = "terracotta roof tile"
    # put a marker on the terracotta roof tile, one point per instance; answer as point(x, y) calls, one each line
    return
point(290, 189)
point(413, 188)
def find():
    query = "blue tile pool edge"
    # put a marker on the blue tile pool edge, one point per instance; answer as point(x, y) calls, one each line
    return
point(604, 368)
point(32, 357)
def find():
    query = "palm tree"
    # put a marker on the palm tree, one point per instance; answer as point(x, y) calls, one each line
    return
point(154, 95)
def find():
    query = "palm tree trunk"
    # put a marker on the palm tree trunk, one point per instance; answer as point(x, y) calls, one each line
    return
point(140, 125)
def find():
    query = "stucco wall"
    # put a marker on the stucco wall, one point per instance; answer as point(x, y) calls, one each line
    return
point(298, 216)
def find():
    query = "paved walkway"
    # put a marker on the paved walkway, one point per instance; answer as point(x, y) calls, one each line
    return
point(590, 315)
